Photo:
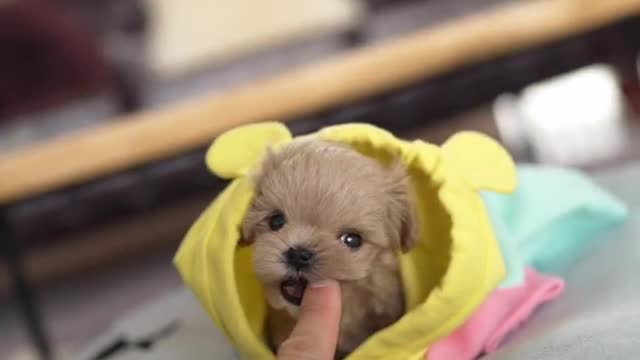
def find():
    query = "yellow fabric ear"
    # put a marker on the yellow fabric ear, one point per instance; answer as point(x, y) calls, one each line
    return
point(237, 151)
point(483, 163)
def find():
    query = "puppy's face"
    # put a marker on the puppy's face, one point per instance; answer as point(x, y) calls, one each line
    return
point(322, 211)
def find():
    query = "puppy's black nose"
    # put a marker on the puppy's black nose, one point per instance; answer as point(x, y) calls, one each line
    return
point(298, 258)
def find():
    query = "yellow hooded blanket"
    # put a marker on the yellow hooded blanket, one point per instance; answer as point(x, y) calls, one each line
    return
point(455, 266)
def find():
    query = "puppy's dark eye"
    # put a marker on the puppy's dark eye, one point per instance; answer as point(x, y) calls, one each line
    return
point(352, 240)
point(277, 221)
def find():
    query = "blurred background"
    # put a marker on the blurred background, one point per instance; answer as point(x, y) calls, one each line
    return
point(107, 106)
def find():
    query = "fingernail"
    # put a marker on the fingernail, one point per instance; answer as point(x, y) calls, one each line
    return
point(323, 283)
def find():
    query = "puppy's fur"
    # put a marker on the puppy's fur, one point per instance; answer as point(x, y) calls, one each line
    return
point(325, 190)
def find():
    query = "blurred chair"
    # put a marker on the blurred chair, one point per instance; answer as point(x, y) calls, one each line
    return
point(52, 57)
point(47, 59)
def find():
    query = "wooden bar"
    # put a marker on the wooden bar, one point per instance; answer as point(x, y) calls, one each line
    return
point(161, 133)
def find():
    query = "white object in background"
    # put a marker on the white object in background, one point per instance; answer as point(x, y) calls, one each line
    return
point(190, 35)
point(573, 119)
point(511, 126)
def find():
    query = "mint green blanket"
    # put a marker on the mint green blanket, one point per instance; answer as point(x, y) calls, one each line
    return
point(554, 216)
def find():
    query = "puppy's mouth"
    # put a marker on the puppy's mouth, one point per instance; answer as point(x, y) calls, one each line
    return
point(292, 289)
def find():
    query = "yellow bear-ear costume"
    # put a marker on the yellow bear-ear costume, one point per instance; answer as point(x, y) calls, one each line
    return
point(451, 271)
point(481, 161)
point(238, 151)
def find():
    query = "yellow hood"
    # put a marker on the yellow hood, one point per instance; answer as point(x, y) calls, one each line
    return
point(454, 267)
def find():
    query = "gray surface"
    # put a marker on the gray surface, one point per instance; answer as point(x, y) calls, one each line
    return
point(597, 318)
point(195, 337)
point(599, 315)
point(81, 308)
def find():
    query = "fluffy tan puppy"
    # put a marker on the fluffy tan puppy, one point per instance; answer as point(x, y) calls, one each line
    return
point(325, 211)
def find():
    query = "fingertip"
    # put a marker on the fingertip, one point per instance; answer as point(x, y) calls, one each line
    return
point(324, 283)
point(316, 332)
point(323, 295)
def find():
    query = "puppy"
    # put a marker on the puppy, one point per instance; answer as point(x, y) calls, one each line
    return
point(324, 211)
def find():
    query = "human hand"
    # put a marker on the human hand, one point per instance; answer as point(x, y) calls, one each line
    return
point(316, 333)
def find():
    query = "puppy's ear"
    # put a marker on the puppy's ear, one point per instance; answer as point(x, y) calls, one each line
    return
point(252, 218)
point(402, 225)
point(248, 229)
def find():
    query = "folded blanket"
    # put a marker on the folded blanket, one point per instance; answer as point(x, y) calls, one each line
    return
point(551, 219)
point(500, 314)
